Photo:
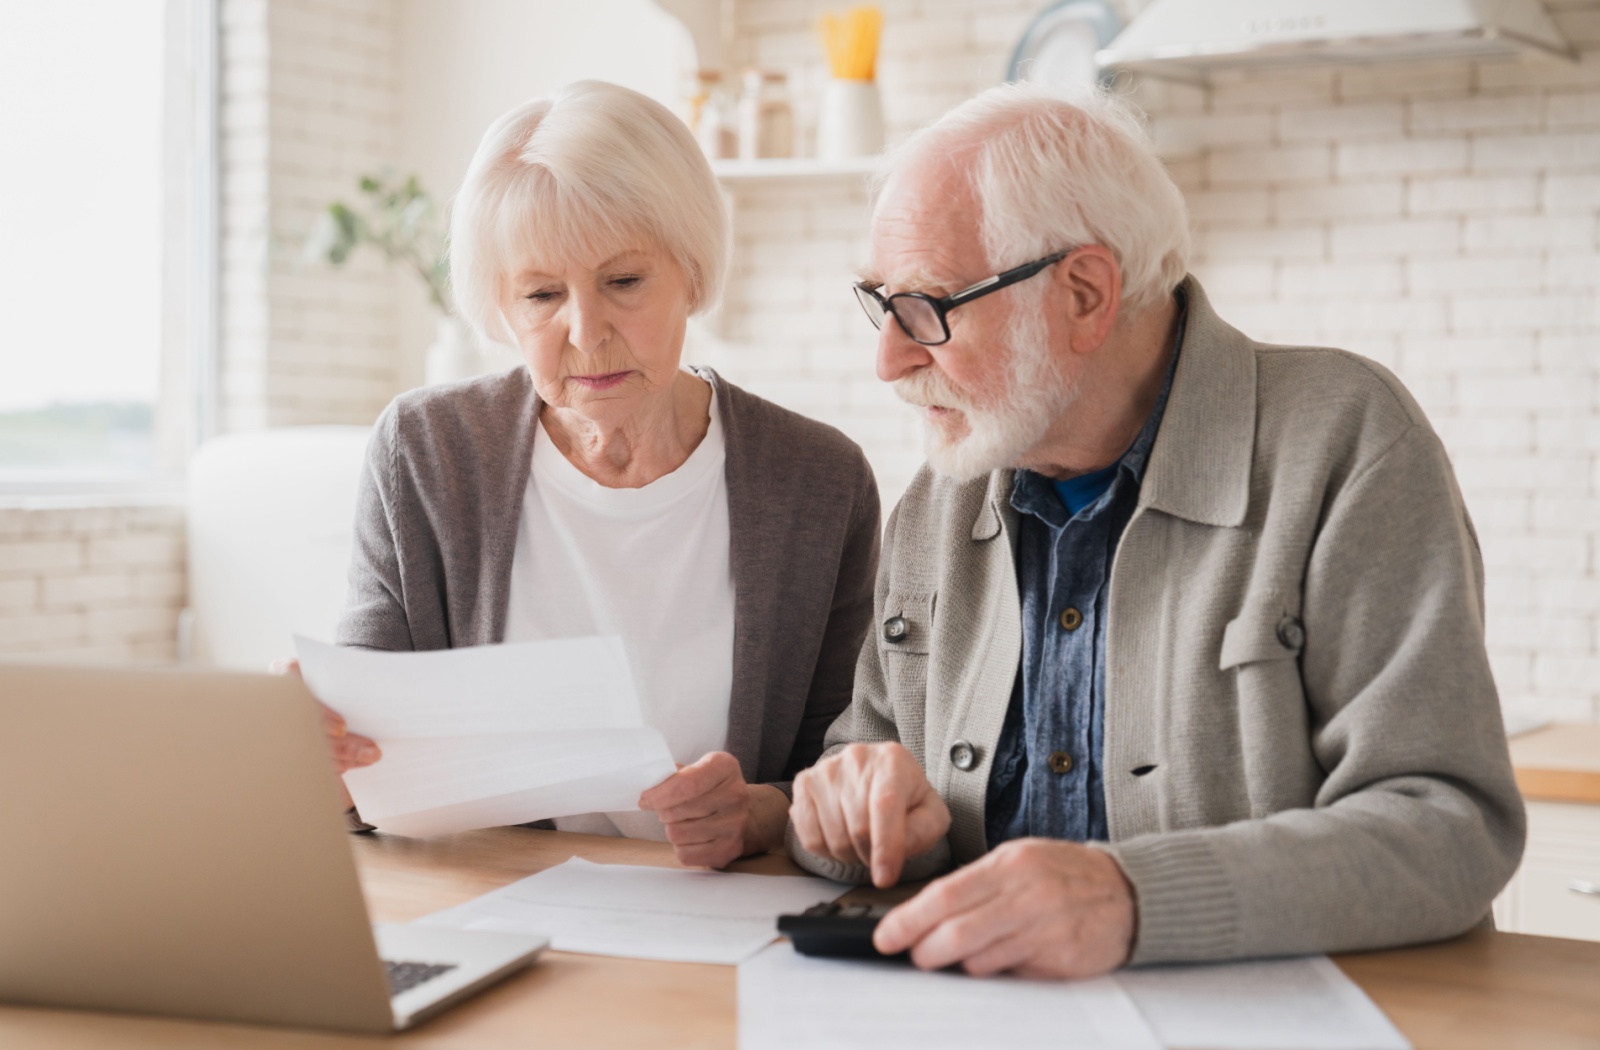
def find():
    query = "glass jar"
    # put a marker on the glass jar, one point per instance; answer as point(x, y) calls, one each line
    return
point(715, 122)
point(766, 119)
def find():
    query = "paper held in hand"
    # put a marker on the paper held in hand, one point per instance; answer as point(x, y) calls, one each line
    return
point(490, 735)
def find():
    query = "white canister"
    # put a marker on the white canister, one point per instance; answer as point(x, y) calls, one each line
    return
point(851, 121)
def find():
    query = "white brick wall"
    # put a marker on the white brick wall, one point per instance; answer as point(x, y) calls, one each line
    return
point(310, 99)
point(1447, 223)
point(91, 583)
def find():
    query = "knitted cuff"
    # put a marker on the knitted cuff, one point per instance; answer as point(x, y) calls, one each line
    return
point(1187, 911)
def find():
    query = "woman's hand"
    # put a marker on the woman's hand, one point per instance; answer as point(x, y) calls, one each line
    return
point(348, 750)
point(712, 816)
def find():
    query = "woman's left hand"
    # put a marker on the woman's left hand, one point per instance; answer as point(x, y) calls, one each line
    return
point(712, 816)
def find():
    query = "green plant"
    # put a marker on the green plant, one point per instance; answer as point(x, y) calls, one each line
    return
point(399, 219)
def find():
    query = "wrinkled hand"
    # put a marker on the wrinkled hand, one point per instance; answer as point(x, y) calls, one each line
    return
point(869, 804)
point(711, 816)
point(1040, 908)
point(349, 750)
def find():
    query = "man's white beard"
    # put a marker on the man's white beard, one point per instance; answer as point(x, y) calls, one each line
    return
point(999, 433)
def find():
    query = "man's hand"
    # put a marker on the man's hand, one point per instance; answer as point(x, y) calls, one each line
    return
point(1036, 907)
point(712, 817)
point(869, 804)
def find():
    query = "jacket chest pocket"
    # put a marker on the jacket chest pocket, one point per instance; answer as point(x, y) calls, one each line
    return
point(1262, 632)
point(1260, 648)
point(904, 631)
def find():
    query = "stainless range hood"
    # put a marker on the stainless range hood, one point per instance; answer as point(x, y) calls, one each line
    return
point(1191, 39)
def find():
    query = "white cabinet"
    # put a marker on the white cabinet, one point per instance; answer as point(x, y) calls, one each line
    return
point(1562, 859)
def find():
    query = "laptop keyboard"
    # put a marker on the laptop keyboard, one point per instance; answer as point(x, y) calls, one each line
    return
point(404, 976)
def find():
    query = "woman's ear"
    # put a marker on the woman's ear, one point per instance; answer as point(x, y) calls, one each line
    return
point(1088, 287)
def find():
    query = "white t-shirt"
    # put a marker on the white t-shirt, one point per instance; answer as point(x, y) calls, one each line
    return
point(649, 564)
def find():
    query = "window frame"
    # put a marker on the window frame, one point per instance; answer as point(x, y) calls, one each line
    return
point(185, 406)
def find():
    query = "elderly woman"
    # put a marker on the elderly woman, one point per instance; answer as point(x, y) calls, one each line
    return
point(605, 488)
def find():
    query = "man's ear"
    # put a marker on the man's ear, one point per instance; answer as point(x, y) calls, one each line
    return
point(1088, 286)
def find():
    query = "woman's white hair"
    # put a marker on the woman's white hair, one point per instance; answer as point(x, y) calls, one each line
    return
point(1054, 169)
point(591, 171)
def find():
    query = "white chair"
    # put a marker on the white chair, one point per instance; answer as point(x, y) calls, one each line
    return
point(270, 519)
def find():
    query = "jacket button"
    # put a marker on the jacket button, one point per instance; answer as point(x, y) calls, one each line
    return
point(895, 629)
point(963, 756)
point(1060, 762)
point(1291, 633)
point(1071, 619)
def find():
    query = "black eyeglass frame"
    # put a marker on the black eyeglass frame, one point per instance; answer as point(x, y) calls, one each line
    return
point(943, 306)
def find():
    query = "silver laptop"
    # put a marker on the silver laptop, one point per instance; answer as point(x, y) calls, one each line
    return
point(171, 843)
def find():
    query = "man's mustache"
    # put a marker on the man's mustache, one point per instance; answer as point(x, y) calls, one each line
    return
point(926, 389)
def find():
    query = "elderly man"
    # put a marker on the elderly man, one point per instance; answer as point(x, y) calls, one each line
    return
point(1178, 651)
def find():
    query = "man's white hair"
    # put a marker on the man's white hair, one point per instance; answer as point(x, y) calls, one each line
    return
point(1054, 169)
point(591, 171)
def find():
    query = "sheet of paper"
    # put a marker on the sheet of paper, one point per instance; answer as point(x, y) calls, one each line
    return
point(490, 735)
point(1283, 1004)
point(788, 1001)
point(521, 687)
point(643, 913)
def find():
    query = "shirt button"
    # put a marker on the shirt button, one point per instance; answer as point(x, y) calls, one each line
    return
point(963, 756)
point(1060, 762)
point(1291, 633)
point(1071, 619)
point(895, 629)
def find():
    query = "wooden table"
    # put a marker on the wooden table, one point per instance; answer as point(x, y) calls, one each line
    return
point(1558, 763)
point(1486, 990)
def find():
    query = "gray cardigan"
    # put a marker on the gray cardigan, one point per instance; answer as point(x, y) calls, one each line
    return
point(1303, 749)
point(436, 527)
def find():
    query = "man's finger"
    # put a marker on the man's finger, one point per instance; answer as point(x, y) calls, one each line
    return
point(855, 808)
point(925, 824)
point(835, 835)
point(1003, 956)
point(938, 901)
point(967, 933)
point(888, 848)
point(803, 815)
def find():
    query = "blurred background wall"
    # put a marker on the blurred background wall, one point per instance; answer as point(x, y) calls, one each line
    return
point(1442, 218)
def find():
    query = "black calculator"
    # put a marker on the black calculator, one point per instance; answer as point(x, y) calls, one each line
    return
point(841, 931)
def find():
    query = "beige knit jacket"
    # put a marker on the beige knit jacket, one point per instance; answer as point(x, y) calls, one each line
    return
point(1303, 746)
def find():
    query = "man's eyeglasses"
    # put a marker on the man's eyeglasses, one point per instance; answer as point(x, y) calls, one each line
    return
point(923, 317)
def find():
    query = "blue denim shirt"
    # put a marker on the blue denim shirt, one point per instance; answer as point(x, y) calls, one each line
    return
point(1046, 778)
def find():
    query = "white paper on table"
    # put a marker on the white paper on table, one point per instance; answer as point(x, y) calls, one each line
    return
point(1283, 1004)
point(490, 735)
point(643, 912)
point(790, 1002)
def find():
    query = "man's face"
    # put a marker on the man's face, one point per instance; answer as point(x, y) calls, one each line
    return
point(990, 393)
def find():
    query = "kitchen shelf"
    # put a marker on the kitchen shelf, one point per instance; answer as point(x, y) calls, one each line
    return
point(792, 169)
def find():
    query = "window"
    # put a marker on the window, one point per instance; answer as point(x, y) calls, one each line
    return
point(97, 142)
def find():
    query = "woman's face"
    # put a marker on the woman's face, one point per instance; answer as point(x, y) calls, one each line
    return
point(601, 336)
